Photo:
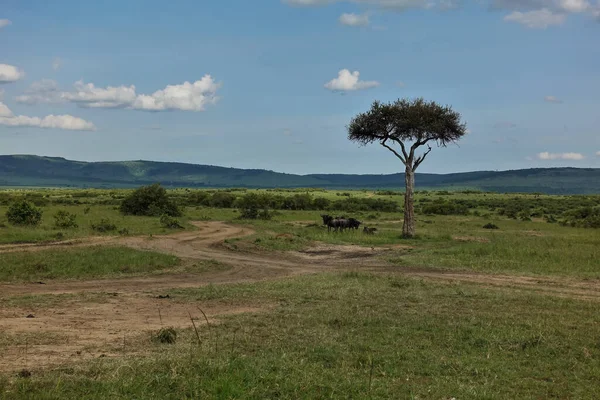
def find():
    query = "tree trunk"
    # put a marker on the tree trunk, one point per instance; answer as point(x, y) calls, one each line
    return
point(408, 229)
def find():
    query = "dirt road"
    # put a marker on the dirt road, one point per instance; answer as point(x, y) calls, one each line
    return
point(75, 330)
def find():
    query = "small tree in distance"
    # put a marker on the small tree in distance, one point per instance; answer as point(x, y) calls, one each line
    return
point(402, 127)
point(150, 200)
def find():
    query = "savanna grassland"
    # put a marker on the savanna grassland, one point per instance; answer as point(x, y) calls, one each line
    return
point(245, 294)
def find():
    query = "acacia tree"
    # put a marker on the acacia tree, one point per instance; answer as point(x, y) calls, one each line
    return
point(402, 127)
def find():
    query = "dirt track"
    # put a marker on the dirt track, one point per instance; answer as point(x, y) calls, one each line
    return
point(82, 331)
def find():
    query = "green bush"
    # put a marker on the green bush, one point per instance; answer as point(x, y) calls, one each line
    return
point(222, 200)
point(149, 200)
point(65, 219)
point(445, 207)
point(321, 203)
point(582, 217)
point(169, 222)
point(104, 226)
point(253, 206)
point(23, 213)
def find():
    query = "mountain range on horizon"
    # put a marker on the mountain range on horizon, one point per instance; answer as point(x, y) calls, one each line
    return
point(40, 171)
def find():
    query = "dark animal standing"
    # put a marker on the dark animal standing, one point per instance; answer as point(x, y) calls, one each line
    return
point(354, 223)
point(339, 223)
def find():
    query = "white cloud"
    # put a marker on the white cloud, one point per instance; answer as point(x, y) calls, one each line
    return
point(88, 95)
point(398, 5)
point(10, 73)
point(537, 19)
point(5, 111)
point(560, 156)
point(552, 99)
point(598, 153)
point(354, 19)
point(535, 14)
point(56, 63)
point(574, 6)
point(4, 22)
point(44, 91)
point(349, 81)
point(186, 96)
point(67, 122)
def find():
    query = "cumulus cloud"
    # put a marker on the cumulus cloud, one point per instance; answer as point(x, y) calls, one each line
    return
point(535, 14)
point(187, 96)
point(10, 73)
point(540, 14)
point(537, 19)
point(552, 99)
point(88, 95)
point(397, 5)
point(5, 111)
point(67, 122)
point(4, 22)
point(45, 91)
point(349, 81)
point(354, 19)
point(560, 156)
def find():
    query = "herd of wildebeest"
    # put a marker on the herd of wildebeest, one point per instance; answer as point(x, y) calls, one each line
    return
point(341, 223)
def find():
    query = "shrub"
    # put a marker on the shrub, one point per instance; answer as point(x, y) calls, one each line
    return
point(321, 203)
point(166, 335)
point(149, 200)
point(24, 213)
point(104, 226)
point(222, 200)
point(65, 219)
point(524, 216)
point(445, 208)
point(169, 222)
point(489, 225)
point(253, 206)
point(583, 217)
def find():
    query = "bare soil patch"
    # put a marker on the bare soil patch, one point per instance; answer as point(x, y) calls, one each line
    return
point(79, 332)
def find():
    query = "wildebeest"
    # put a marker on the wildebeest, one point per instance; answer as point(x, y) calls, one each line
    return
point(339, 223)
point(369, 231)
point(353, 223)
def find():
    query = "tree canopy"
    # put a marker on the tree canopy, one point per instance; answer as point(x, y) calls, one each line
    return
point(404, 120)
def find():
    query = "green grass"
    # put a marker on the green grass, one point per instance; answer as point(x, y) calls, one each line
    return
point(354, 335)
point(46, 231)
point(81, 263)
point(451, 242)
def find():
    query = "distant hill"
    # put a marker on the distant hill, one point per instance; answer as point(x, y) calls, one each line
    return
point(34, 171)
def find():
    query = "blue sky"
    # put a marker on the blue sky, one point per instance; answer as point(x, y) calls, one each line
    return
point(272, 84)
